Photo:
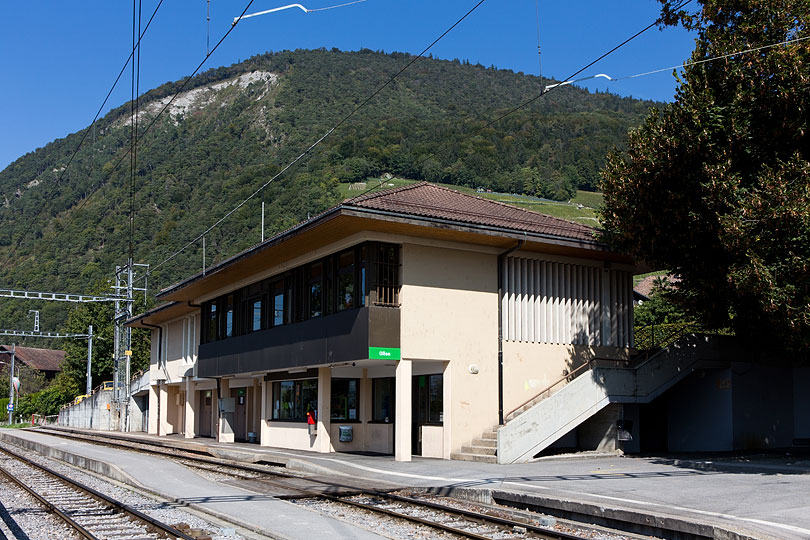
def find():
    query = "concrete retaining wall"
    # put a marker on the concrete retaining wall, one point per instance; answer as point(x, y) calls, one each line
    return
point(94, 412)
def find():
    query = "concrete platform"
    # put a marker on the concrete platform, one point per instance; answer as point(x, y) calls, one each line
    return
point(764, 497)
point(267, 515)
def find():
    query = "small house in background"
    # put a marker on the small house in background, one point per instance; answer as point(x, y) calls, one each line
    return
point(35, 367)
point(46, 361)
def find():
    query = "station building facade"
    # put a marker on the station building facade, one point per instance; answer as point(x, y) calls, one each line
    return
point(406, 322)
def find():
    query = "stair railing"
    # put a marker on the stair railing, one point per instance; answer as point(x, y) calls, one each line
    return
point(665, 334)
point(568, 377)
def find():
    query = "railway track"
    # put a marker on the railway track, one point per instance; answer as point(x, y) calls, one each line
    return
point(455, 521)
point(92, 515)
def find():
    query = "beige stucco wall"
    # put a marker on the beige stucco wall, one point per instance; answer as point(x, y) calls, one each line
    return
point(179, 349)
point(172, 422)
point(530, 368)
point(449, 313)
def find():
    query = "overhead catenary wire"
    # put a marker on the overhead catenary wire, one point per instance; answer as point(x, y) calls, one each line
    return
point(317, 142)
point(49, 195)
point(134, 103)
point(539, 56)
point(162, 110)
point(680, 66)
point(544, 91)
point(292, 6)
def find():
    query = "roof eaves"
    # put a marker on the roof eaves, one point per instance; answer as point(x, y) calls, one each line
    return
point(151, 312)
point(275, 240)
point(481, 227)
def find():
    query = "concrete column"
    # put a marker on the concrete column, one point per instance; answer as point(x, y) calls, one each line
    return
point(257, 404)
point(447, 410)
point(366, 408)
point(152, 421)
point(163, 409)
point(264, 439)
point(323, 442)
point(191, 409)
point(226, 419)
point(404, 411)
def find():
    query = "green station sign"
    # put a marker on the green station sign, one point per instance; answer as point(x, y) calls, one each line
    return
point(384, 353)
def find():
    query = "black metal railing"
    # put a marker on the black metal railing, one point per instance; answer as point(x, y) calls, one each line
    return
point(657, 336)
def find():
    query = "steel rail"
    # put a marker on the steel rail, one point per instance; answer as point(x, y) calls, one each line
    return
point(467, 514)
point(121, 507)
point(50, 507)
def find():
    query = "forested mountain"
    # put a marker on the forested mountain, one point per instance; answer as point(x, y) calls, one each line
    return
point(234, 127)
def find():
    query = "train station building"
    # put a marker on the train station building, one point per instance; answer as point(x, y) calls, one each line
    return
point(409, 321)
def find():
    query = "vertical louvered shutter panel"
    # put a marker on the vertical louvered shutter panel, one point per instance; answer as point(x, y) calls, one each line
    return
point(552, 302)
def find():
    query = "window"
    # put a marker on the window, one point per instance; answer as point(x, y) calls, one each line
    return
point(229, 316)
point(382, 397)
point(256, 314)
point(435, 391)
point(361, 264)
point(427, 393)
point(349, 279)
point(315, 289)
point(278, 303)
point(211, 322)
point(329, 285)
point(345, 400)
point(386, 285)
point(292, 400)
point(345, 284)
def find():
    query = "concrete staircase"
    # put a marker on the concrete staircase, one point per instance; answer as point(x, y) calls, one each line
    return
point(482, 449)
point(538, 424)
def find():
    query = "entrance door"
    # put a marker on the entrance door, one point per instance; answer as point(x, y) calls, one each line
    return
point(427, 407)
point(205, 413)
point(240, 414)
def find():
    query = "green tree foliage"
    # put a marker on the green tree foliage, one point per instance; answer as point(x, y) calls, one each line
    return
point(100, 315)
point(660, 308)
point(47, 402)
point(716, 186)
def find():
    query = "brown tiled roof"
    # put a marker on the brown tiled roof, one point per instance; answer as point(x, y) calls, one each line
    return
point(428, 200)
point(647, 284)
point(425, 202)
point(41, 359)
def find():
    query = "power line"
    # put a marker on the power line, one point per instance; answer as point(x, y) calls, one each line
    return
point(321, 139)
point(156, 117)
point(546, 90)
point(134, 106)
point(166, 105)
point(49, 196)
point(680, 66)
point(290, 6)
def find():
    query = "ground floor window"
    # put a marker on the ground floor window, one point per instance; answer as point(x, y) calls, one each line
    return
point(428, 399)
point(292, 400)
point(345, 399)
point(382, 398)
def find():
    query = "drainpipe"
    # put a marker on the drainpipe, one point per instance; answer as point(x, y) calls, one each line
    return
point(501, 259)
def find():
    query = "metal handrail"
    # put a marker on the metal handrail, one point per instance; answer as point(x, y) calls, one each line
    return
point(565, 377)
point(661, 335)
point(677, 331)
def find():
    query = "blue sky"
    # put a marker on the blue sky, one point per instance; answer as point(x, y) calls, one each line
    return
point(58, 62)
